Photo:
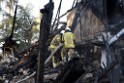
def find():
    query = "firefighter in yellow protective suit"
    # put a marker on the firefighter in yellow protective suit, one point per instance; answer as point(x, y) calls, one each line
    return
point(54, 43)
point(68, 48)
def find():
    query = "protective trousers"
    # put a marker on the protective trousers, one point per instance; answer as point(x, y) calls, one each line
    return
point(67, 52)
point(55, 59)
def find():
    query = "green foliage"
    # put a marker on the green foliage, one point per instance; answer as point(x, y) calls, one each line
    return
point(23, 26)
point(1, 26)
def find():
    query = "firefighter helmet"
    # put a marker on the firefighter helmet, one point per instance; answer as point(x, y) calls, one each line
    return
point(67, 29)
point(62, 32)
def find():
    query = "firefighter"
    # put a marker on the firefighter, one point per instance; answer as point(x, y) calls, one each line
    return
point(68, 48)
point(54, 43)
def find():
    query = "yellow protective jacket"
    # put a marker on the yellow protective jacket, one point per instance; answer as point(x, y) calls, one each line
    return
point(68, 39)
point(55, 41)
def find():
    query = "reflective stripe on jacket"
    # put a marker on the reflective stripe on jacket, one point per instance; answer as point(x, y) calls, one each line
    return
point(68, 39)
point(55, 41)
point(52, 46)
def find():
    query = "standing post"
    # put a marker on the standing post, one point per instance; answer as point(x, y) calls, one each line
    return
point(8, 40)
point(14, 20)
point(47, 13)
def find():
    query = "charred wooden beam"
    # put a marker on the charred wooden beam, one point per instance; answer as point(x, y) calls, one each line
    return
point(116, 37)
point(8, 41)
point(44, 33)
point(108, 70)
point(71, 72)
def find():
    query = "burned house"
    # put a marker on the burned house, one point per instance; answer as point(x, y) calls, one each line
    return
point(98, 28)
point(89, 19)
